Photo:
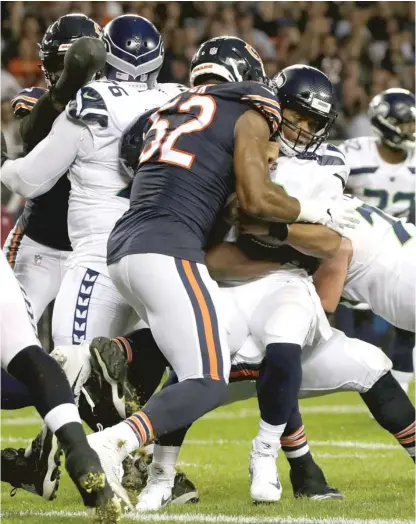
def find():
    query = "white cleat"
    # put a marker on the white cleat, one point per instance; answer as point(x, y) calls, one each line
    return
point(265, 484)
point(158, 491)
point(75, 361)
point(110, 451)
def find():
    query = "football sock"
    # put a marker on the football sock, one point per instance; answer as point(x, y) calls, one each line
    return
point(392, 409)
point(402, 357)
point(279, 382)
point(294, 442)
point(51, 393)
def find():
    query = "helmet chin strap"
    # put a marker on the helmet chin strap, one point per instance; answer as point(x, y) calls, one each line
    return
point(287, 147)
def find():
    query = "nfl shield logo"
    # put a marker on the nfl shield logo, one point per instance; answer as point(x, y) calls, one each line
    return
point(213, 51)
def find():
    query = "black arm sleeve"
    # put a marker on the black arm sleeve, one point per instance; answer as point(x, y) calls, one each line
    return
point(36, 126)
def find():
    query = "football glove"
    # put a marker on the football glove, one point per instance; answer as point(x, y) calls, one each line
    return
point(83, 60)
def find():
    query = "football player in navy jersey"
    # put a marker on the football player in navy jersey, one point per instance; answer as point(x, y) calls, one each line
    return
point(200, 148)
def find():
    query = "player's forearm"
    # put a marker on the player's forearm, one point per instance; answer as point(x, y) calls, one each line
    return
point(38, 172)
point(330, 277)
point(227, 262)
point(314, 240)
point(36, 126)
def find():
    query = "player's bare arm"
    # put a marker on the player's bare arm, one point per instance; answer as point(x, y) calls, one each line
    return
point(314, 240)
point(257, 195)
point(330, 277)
point(226, 261)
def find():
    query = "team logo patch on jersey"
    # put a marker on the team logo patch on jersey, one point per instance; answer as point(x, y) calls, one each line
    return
point(38, 259)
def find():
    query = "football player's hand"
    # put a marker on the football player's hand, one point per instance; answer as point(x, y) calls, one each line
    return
point(83, 60)
point(4, 156)
point(339, 215)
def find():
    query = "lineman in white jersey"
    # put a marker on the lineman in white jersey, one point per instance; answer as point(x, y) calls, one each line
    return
point(376, 264)
point(383, 175)
point(86, 140)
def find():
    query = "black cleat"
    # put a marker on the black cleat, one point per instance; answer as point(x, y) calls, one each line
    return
point(84, 468)
point(109, 362)
point(184, 490)
point(310, 482)
point(35, 470)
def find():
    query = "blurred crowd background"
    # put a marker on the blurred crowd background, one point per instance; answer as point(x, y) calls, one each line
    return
point(363, 47)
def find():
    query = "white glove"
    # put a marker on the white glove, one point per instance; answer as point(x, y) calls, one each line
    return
point(334, 214)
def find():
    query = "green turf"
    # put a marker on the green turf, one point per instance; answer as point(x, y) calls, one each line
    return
point(378, 483)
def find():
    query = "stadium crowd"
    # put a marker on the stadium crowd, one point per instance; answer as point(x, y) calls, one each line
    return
point(363, 47)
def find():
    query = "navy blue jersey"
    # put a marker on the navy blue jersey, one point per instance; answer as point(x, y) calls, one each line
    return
point(44, 218)
point(185, 172)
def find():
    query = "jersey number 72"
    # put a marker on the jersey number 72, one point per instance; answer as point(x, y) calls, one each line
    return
point(165, 139)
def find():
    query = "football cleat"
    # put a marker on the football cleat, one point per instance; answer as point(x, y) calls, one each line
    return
point(158, 491)
point(109, 450)
point(84, 468)
point(310, 482)
point(265, 485)
point(36, 469)
point(109, 361)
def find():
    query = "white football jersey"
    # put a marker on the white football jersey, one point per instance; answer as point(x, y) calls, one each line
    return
point(383, 266)
point(390, 187)
point(100, 188)
point(322, 176)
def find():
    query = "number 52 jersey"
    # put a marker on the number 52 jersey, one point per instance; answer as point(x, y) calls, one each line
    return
point(186, 170)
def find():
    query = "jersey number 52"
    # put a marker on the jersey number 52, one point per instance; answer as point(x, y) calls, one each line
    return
point(165, 139)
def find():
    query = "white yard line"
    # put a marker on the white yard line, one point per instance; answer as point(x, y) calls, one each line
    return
point(217, 415)
point(209, 518)
point(225, 442)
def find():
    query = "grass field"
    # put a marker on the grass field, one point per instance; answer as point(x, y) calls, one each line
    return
point(357, 456)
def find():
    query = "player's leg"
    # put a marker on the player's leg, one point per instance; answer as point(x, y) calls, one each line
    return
point(402, 357)
point(344, 364)
point(87, 306)
point(178, 298)
point(282, 322)
point(307, 478)
point(24, 359)
point(38, 268)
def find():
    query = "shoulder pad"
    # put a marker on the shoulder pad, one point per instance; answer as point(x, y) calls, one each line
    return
point(262, 99)
point(88, 107)
point(24, 102)
point(330, 155)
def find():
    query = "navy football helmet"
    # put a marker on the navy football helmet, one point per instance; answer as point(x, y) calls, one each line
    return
point(310, 93)
point(228, 58)
point(134, 50)
point(389, 112)
point(58, 39)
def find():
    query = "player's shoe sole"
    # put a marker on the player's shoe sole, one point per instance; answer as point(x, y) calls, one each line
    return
point(108, 360)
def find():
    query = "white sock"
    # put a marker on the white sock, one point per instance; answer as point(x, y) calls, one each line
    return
point(149, 449)
point(403, 378)
point(166, 456)
point(268, 438)
point(61, 415)
point(125, 437)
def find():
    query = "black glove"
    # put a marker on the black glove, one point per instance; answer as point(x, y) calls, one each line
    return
point(4, 155)
point(83, 60)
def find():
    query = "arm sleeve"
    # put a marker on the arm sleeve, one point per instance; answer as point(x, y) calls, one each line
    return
point(39, 171)
point(36, 125)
